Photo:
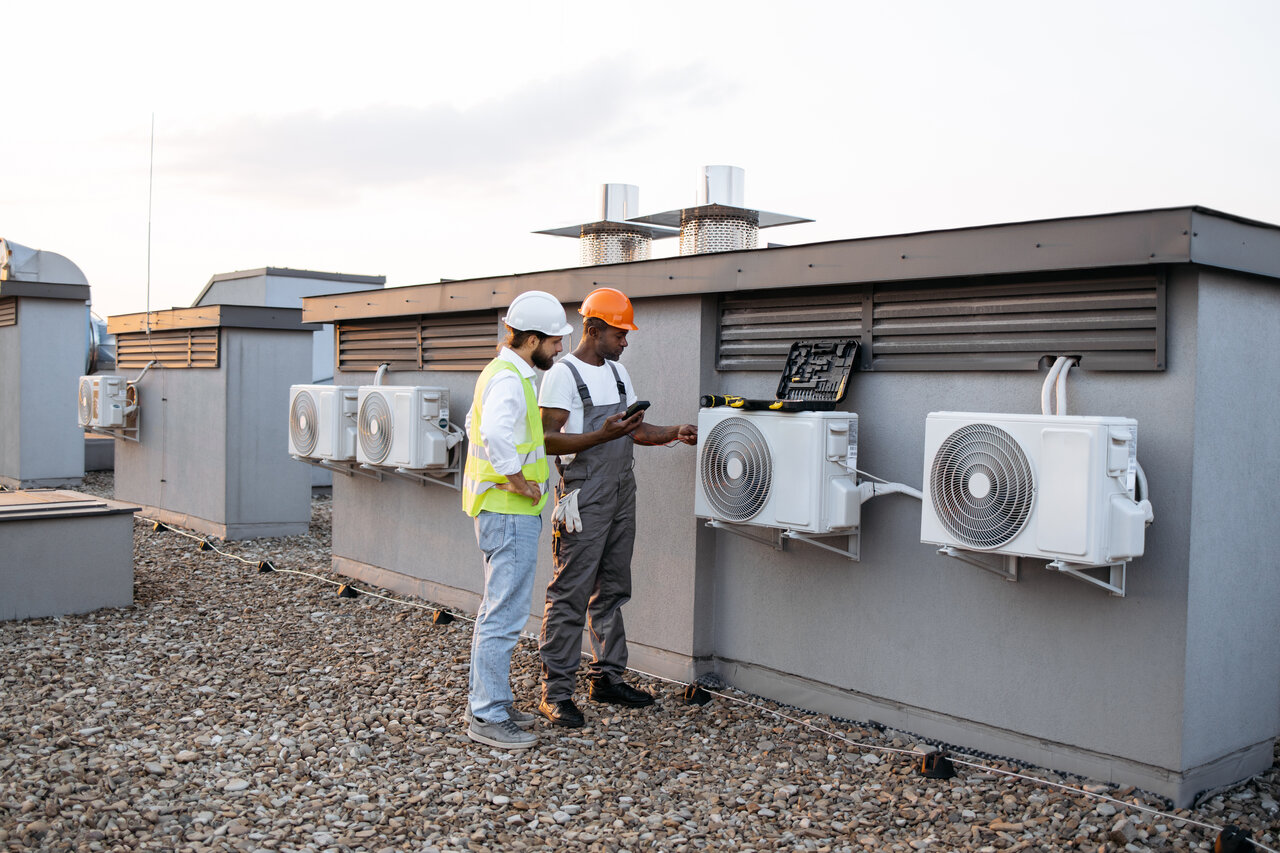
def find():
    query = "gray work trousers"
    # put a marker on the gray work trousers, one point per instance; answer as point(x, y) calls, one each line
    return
point(592, 579)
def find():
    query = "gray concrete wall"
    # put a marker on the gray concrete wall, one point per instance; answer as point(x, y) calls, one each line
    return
point(1172, 688)
point(213, 448)
point(41, 360)
point(1233, 623)
point(907, 627)
point(424, 544)
point(65, 564)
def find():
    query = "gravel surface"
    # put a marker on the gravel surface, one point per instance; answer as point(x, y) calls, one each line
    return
point(233, 710)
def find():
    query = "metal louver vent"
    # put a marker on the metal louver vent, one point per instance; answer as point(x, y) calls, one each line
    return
point(737, 469)
point(374, 420)
point(86, 400)
point(982, 486)
point(304, 423)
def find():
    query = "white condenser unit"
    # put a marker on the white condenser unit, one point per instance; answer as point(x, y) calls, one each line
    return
point(404, 426)
point(104, 401)
point(1057, 488)
point(783, 470)
point(322, 421)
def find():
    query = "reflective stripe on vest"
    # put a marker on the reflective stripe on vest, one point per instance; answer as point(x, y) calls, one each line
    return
point(479, 477)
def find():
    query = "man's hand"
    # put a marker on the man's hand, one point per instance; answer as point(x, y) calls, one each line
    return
point(518, 484)
point(688, 433)
point(616, 426)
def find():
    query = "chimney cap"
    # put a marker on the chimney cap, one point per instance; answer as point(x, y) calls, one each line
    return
point(719, 188)
point(618, 204)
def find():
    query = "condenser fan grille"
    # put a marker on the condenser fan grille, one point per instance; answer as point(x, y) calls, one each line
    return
point(303, 426)
point(86, 401)
point(982, 486)
point(375, 427)
point(737, 469)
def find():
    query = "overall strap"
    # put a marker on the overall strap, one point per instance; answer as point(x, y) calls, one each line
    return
point(622, 389)
point(583, 394)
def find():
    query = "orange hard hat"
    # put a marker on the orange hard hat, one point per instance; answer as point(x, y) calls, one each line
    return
point(609, 305)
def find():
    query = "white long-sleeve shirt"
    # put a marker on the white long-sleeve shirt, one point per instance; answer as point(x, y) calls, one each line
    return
point(504, 424)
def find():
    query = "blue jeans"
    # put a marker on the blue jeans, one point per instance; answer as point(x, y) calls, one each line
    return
point(510, 546)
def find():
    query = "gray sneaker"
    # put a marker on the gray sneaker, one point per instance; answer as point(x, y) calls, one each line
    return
point(514, 714)
point(503, 735)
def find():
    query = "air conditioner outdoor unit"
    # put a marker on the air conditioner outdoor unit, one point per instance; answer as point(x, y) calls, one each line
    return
point(1057, 488)
point(104, 401)
point(322, 421)
point(783, 470)
point(403, 426)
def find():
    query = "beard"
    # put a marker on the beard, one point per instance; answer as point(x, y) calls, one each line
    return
point(542, 360)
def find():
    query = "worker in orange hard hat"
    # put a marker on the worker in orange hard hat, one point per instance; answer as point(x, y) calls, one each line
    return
point(591, 419)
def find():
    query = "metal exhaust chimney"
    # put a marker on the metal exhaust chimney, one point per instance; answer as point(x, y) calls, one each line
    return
point(719, 222)
point(613, 239)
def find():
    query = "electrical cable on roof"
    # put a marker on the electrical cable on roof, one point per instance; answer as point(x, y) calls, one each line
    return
point(349, 590)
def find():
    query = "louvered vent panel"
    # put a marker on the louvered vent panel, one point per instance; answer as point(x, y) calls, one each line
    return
point(8, 311)
point(174, 348)
point(757, 332)
point(1112, 324)
point(459, 342)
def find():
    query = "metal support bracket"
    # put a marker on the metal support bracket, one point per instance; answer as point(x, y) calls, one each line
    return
point(851, 550)
point(1007, 567)
point(127, 433)
point(348, 467)
point(1115, 571)
point(423, 477)
point(777, 538)
point(774, 541)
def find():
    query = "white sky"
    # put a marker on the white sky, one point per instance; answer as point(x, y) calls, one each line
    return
point(427, 140)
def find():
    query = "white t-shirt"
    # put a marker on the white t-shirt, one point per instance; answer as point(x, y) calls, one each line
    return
point(560, 390)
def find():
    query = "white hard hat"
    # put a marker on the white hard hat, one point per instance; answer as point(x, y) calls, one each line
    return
point(537, 311)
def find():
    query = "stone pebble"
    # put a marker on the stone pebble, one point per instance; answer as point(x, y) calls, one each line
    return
point(231, 710)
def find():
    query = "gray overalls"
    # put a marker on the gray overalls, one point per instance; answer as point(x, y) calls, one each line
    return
point(592, 578)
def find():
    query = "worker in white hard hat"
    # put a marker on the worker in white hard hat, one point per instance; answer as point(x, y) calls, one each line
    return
point(586, 400)
point(504, 488)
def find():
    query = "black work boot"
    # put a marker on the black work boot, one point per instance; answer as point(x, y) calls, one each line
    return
point(563, 713)
point(618, 693)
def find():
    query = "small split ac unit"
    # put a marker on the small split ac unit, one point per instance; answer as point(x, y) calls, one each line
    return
point(783, 470)
point(322, 421)
point(1058, 488)
point(104, 401)
point(403, 426)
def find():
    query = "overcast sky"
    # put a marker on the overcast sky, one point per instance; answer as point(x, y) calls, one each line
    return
point(427, 140)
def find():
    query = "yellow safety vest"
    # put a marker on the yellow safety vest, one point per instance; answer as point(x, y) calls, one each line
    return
point(479, 478)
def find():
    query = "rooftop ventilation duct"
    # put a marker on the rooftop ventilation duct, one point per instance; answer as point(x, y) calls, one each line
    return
point(19, 263)
point(719, 222)
point(613, 239)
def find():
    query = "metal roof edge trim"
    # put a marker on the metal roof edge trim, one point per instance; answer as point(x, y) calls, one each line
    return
point(286, 272)
point(44, 290)
point(212, 316)
point(1130, 238)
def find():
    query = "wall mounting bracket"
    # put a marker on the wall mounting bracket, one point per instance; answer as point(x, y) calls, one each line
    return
point(1007, 567)
point(1115, 575)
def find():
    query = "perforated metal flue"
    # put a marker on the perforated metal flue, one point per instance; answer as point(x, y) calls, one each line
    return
point(605, 244)
point(737, 469)
point(86, 400)
point(374, 421)
point(982, 486)
point(302, 423)
point(703, 230)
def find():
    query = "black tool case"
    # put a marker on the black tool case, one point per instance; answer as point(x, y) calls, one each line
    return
point(816, 377)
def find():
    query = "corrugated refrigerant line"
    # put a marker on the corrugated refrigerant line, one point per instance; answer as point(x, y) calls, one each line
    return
point(1230, 839)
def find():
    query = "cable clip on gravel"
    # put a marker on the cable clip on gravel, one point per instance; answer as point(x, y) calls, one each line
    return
point(695, 695)
point(205, 546)
point(936, 765)
point(1233, 839)
point(441, 617)
point(347, 591)
point(159, 527)
point(265, 566)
